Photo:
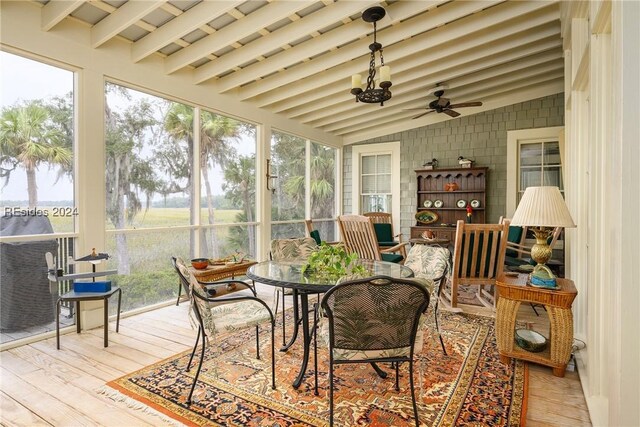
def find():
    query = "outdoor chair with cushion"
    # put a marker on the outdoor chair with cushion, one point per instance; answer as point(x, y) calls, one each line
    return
point(314, 233)
point(372, 320)
point(359, 236)
point(292, 250)
point(433, 264)
point(235, 307)
point(478, 259)
point(383, 226)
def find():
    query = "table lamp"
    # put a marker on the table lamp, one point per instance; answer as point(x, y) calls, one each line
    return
point(542, 209)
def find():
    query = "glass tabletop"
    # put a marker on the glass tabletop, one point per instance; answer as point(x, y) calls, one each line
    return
point(289, 274)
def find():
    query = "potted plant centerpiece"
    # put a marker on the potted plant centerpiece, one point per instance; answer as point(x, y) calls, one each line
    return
point(332, 262)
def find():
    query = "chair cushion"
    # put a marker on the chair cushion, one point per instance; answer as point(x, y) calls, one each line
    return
point(391, 257)
point(349, 354)
point(238, 315)
point(387, 244)
point(384, 232)
point(515, 234)
point(315, 235)
point(292, 249)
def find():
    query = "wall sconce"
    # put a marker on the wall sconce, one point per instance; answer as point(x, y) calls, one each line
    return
point(270, 178)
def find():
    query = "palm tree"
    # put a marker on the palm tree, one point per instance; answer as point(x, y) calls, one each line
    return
point(27, 139)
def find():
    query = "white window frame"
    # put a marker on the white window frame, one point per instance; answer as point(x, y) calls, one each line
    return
point(514, 139)
point(392, 148)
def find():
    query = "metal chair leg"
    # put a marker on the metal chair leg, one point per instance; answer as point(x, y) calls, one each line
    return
point(273, 355)
point(195, 379)
point(435, 315)
point(257, 343)
point(397, 376)
point(330, 390)
point(413, 393)
point(179, 293)
point(194, 348)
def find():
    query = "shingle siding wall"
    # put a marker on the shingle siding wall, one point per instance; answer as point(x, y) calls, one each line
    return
point(481, 137)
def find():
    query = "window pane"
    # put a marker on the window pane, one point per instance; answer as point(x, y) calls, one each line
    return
point(148, 160)
point(384, 163)
point(530, 178)
point(553, 176)
point(376, 203)
point(327, 230)
point(323, 181)
point(551, 153)
point(239, 240)
point(228, 186)
point(368, 164)
point(36, 128)
point(368, 184)
point(150, 278)
point(288, 202)
point(383, 183)
point(531, 154)
point(287, 231)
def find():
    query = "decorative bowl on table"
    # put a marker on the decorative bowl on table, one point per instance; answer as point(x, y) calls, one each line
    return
point(200, 263)
point(530, 340)
point(426, 217)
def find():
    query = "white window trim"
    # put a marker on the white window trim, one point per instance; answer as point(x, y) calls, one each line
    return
point(514, 138)
point(392, 148)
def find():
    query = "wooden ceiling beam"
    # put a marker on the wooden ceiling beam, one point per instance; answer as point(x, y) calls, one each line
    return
point(55, 11)
point(123, 17)
point(477, 94)
point(460, 94)
point(179, 26)
point(501, 100)
point(451, 67)
point(354, 30)
point(263, 17)
point(474, 46)
point(403, 46)
point(312, 22)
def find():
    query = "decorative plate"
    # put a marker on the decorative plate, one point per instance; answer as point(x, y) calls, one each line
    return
point(426, 217)
point(438, 204)
point(475, 203)
point(428, 203)
point(461, 203)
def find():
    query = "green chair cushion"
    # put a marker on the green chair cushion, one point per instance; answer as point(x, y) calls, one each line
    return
point(515, 234)
point(391, 257)
point(315, 235)
point(383, 232)
point(389, 244)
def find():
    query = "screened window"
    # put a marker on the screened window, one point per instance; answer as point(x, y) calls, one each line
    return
point(375, 183)
point(36, 140)
point(539, 165)
point(228, 185)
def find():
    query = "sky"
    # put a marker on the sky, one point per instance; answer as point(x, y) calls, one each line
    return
point(22, 79)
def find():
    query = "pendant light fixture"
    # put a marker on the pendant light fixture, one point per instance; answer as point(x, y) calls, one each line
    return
point(372, 94)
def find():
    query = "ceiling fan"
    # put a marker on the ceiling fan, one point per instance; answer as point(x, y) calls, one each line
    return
point(443, 105)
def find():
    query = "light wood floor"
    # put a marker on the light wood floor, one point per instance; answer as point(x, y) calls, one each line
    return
point(40, 385)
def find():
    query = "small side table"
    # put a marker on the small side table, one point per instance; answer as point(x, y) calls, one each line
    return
point(512, 291)
point(89, 296)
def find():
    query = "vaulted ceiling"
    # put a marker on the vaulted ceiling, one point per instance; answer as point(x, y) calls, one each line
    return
point(295, 58)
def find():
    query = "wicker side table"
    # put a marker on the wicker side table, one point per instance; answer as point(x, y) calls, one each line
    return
point(512, 291)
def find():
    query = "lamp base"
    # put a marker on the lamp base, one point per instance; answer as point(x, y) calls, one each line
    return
point(542, 277)
point(541, 252)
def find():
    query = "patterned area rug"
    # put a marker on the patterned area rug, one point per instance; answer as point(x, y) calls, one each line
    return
point(469, 387)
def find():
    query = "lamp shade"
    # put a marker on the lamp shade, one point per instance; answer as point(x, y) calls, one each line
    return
point(542, 207)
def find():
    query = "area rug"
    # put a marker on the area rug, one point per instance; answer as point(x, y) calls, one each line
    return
point(469, 387)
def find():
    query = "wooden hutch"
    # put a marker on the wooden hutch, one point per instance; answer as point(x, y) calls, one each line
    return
point(471, 185)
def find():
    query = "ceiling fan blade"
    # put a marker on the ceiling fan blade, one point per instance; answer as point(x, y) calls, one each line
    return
point(414, 109)
point(466, 104)
point(451, 113)
point(423, 114)
point(443, 102)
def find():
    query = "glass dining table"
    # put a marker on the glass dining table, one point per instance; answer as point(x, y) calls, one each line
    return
point(289, 275)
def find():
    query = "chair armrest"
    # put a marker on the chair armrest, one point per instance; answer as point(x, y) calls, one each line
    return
point(229, 285)
point(394, 248)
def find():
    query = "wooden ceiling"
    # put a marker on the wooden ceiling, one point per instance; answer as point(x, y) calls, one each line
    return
point(295, 58)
